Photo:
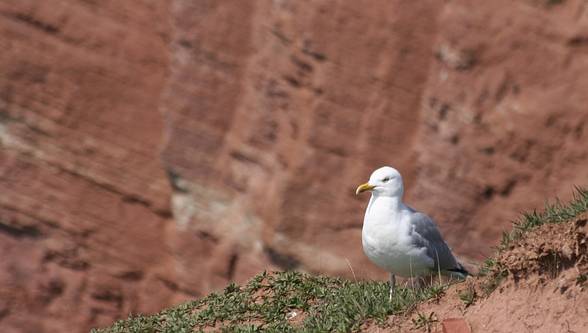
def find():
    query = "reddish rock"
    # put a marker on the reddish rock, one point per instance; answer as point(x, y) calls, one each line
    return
point(455, 325)
point(84, 201)
point(508, 132)
point(152, 151)
point(287, 118)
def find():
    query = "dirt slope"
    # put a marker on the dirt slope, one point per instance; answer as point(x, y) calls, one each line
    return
point(536, 282)
point(544, 287)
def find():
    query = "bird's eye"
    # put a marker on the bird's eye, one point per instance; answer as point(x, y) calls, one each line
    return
point(386, 179)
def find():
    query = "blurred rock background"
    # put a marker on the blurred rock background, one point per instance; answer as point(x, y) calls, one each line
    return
point(152, 151)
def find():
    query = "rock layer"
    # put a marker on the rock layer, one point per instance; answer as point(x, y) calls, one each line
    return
point(84, 207)
point(152, 151)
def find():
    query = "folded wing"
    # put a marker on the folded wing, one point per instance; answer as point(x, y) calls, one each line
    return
point(425, 233)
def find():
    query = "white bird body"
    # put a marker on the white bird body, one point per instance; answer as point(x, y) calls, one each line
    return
point(398, 238)
point(386, 239)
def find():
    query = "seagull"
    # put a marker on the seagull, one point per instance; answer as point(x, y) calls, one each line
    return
point(399, 239)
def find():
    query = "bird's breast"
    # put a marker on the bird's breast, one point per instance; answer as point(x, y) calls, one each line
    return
point(390, 247)
point(384, 243)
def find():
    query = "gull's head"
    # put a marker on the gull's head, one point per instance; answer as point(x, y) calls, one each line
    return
point(385, 181)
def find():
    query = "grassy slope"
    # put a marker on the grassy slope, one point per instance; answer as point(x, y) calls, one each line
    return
point(322, 303)
point(553, 213)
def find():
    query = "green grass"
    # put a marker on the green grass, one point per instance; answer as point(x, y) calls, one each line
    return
point(468, 296)
point(425, 322)
point(553, 213)
point(326, 303)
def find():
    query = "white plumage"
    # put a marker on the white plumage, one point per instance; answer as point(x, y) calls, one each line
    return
point(399, 239)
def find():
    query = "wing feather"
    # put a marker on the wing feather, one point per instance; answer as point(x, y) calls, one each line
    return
point(425, 234)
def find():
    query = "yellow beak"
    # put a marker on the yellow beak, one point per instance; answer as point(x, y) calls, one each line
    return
point(363, 188)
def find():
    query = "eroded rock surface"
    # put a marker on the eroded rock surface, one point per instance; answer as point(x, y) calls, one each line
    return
point(152, 151)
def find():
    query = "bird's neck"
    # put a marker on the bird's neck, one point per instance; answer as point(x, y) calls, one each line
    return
point(390, 204)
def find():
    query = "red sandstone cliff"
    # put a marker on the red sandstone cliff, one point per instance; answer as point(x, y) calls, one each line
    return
point(151, 151)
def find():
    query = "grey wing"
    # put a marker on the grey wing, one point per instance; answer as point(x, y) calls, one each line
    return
point(424, 233)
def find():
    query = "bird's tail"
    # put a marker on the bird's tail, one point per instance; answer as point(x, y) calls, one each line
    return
point(459, 271)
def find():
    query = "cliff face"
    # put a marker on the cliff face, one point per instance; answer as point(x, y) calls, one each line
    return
point(276, 111)
point(84, 206)
point(154, 150)
point(504, 115)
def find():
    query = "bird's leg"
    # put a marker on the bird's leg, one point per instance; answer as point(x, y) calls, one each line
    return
point(421, 282)
point(392, 285)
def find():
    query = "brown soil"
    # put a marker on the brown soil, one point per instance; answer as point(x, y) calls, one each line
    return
point(548, 251)
point(543, 288)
